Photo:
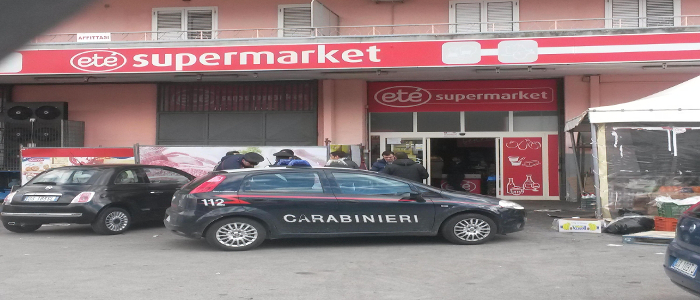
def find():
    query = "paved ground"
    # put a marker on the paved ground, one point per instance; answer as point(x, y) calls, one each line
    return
point(70, 262)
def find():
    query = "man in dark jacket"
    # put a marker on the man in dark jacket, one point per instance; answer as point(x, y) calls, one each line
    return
point(238, 161)
point(340, 159)
point(387, 158)
point(406, 168)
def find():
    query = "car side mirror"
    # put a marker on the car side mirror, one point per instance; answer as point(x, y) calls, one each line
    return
point(413, 196)
point(15, 187)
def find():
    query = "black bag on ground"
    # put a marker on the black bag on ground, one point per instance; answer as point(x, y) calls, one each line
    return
point(630, 224)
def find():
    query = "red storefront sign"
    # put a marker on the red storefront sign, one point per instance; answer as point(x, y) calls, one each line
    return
point(477, 95)
point(488, 52)
point(522, 167)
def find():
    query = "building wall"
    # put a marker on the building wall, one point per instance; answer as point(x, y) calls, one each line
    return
point(342, 111)
point(135, 15)
point(115, 115)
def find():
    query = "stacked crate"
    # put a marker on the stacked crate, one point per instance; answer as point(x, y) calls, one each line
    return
point(668, 214)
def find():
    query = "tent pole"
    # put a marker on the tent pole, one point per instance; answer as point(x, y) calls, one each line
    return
point(574, 146)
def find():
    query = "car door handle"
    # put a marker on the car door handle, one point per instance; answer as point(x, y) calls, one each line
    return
point(157, 192)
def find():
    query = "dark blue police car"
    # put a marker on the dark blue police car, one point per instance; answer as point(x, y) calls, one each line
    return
point(683, 254)
point(239, 209)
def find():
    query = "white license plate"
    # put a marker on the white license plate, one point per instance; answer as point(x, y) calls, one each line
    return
point(685, 267)
point(40, 198)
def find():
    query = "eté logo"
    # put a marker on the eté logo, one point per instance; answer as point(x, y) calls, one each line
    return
point(402, 96)
point(98, 61)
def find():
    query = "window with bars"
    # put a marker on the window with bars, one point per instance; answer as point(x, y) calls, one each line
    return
point(184, 23)
point(295, 20)
point(483, 16)
point(642, 13)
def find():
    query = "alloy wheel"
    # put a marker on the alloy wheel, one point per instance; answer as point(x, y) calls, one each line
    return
point(236, 234)
point(116, 221)
point(472, 229)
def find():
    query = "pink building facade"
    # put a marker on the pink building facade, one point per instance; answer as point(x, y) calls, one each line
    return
point(438, 79)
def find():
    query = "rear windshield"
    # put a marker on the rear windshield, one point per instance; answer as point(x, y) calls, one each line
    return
point(66, 177)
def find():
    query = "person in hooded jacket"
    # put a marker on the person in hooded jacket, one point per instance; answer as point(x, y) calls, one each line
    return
point(406, 168)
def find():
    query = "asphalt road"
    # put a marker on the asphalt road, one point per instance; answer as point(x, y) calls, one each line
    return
point(148, 262)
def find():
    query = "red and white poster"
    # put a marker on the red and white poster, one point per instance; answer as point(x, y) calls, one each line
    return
point(37, 160)
point(522, 167)
point(475, 95)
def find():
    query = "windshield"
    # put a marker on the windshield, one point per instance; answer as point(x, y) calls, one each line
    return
point(66, 176)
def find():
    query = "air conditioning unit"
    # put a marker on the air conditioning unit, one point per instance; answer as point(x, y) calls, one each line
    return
point(37, 124)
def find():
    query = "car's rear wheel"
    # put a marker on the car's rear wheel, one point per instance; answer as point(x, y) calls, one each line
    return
point(469, 229)
point(236, 234)
point(112, 220)
point(19, 228)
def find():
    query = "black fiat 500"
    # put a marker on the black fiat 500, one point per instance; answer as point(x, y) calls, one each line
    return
point(110, 197)
point(239, 209)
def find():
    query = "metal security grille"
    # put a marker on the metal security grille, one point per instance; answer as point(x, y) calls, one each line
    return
point(253, 96)
point(238, 114)
point(5, 96)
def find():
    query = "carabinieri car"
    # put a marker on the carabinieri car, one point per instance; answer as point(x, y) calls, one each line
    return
point(239, 209)
point(110, 197)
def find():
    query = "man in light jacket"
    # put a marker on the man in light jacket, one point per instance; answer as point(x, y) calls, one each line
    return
point(406, 168)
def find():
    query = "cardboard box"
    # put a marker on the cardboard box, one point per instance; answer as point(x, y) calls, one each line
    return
point(581, 225)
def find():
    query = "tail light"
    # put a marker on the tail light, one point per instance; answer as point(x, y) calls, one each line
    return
point(692, 208)
point(209, 185)
point(83, 197)
point(8, 198)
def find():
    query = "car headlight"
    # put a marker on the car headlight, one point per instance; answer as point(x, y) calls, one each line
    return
point(510, 204)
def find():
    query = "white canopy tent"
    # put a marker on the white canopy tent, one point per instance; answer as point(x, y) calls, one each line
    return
point(678, 104)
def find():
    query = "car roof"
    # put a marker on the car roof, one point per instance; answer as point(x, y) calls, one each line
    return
point(109, 166)
point(273, 169)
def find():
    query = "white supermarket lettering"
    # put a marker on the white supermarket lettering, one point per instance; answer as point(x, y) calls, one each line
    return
point(540, 94)
point(320, 55)
point(402, 96)
point(98, 61)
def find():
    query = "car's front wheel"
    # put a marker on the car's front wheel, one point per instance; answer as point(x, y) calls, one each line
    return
point(236, 234)
point(112, 220)
point(469, 229)
point(19, 228)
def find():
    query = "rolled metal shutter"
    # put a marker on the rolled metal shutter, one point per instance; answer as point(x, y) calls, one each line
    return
point(169, 25)
point(200, 24)
point(659, 13)
point(625, 13)
point(468, 17)
point(499, 16)
point(296, 21)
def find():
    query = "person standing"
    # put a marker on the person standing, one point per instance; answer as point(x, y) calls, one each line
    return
point(228, 154)
point(406, 168)
point(387, 158)
point(283, 154)
point(455, 173)
point(240, 161)
point(340, 159)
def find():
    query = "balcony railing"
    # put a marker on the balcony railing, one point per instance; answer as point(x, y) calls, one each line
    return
point(387, 30)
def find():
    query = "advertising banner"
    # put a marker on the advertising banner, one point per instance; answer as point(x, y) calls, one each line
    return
point(481, 95)
point(199, 161)
point(526, 52)
point(522, 167)
point(37, 160)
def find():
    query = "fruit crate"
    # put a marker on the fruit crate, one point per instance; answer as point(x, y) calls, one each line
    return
point(665, 224)
point(672, 210)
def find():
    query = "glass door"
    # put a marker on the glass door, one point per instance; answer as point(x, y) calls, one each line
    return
point(414, 147)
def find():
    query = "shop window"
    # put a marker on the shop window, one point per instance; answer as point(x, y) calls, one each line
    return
point(486, 121)
point(184, 23)
point(391, 122)
point(642, 13)
point(438, 121)
point(535, 121)
point(295, 20)
point(483, 16)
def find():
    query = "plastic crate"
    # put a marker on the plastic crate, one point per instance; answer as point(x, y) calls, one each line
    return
point(665, 224)
point(672, 210)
